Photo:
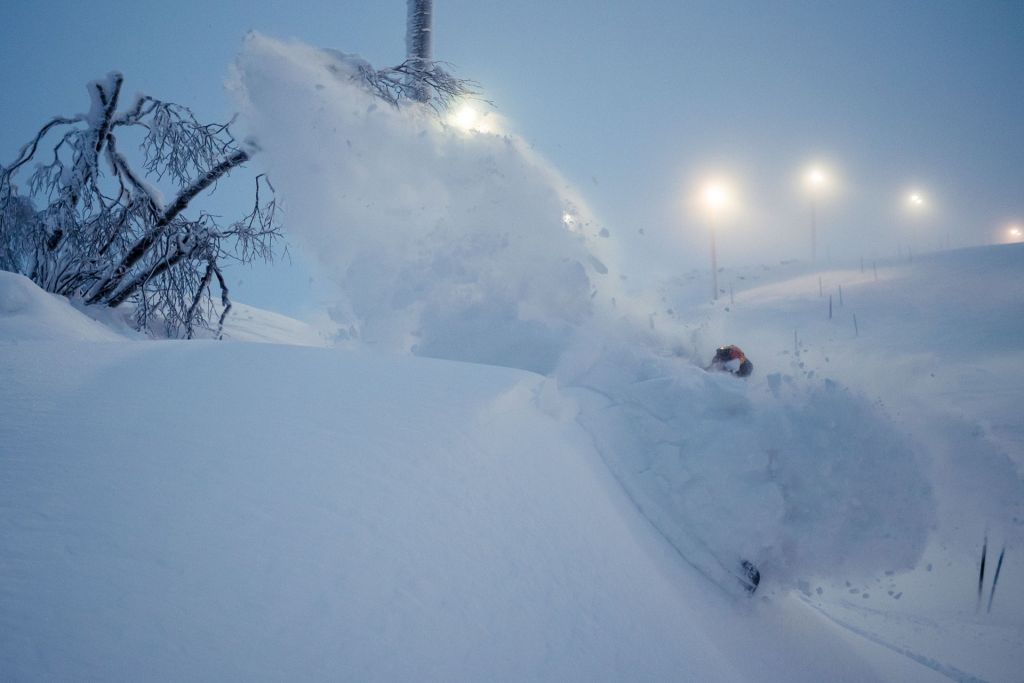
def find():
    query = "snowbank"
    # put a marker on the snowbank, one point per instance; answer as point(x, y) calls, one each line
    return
point(29, 314)
point(249, 324)
point(215, 511)
point(223, 511)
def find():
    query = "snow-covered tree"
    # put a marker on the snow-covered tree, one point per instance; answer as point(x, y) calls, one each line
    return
point(87, 222)
point(419, 78)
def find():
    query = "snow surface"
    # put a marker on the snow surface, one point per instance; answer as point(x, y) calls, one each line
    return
point(234, 511)
point(938, 343)
point(509, 466)
point(26, 315)
point(212, 511)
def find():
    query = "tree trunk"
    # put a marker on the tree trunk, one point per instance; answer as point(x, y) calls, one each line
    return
point(419, 41)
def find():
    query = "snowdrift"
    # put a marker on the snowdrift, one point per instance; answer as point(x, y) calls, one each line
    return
point(29, 314)
point(217, 511)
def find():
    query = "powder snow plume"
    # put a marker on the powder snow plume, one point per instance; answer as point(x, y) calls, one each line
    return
point(451, 244)
point(470, 247)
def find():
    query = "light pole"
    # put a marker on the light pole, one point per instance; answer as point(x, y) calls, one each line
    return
point(419, 36)
point(715, 198)
point(816, 181)
point(917, 206)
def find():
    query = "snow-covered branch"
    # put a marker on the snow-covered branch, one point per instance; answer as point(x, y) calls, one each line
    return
point(102, 231)
point(414, 80)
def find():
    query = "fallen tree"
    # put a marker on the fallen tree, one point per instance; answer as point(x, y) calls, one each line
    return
point(88, 223)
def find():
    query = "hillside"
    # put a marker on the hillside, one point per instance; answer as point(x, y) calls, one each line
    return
point(234, 510)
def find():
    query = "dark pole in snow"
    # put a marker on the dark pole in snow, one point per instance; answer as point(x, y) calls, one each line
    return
point(981, 572)
point(714, 265)
point(814, 231)
point(995, 579)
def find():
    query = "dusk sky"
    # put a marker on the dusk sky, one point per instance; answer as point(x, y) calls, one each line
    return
point(636, 103)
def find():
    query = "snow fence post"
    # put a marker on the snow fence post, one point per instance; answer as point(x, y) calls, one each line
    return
point(995, 579)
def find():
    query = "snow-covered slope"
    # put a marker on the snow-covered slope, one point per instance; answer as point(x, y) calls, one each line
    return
point(249, 324)
point(938, 343)
point(232, 511)
point(222, 510)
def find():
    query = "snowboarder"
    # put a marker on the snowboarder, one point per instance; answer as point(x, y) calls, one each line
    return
point(731, 359)
point(751, 576)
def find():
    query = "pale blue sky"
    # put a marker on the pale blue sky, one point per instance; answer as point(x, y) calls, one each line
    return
point(632, 100)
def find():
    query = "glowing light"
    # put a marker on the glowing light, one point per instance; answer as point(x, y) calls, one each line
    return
point(817, 178)
point(1015, 232)
point(818, 183)
point(466, 118)
point(713, 197)
point(469, 119)
point(568, 219)
point(716, 196)
point(915, 199)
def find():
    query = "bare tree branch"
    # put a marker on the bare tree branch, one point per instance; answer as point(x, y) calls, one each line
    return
point(112, 289)
point(414, 80)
